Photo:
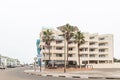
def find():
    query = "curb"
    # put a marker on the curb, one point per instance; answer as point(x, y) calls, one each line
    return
point(112, 78)
point(49, 75)
point(77, 77)
point(96, 77)
point(61, 76)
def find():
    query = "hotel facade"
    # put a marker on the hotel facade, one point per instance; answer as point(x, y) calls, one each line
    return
point(97, 49)
point(7, 61)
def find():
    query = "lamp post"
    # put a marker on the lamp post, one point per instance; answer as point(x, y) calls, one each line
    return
point(35, 58)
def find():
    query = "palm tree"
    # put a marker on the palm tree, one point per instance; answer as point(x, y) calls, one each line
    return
point(68, 33)
point(79, 39)
point(48, 38)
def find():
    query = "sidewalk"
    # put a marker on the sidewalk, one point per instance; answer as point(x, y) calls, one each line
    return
point(85, 74)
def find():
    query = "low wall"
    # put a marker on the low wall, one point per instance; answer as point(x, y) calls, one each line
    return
point(114, 65)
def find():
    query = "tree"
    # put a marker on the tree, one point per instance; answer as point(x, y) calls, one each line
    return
point(48, 38)
point(68, 33)
point(79, 39)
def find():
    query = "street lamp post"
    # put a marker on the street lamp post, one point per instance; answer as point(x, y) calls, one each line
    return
point(35, 58)
point(40, 65)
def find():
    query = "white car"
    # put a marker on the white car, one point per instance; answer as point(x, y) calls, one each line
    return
point(2, 67)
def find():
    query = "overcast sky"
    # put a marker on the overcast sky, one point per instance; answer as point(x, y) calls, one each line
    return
point(21, 22)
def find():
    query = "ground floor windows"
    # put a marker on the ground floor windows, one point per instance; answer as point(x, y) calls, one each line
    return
point(58, 55)
point(84, 62)
point(93, 62)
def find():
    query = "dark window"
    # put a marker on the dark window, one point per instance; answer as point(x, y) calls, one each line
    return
point(91, 37)
point(102, 56)
point(101, 38)
point(92, 43)
point(70, 42)
point(58, 55)
point(92, 55)
point(101, 50)
point(70, 49)
point(101, 44)
point(83, 55)
point(70, 55)
point(58, 48)
point(92, 49)
point(58, 42)
point(84, 62)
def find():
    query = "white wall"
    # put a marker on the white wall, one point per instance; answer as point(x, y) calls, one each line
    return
point(114, 65)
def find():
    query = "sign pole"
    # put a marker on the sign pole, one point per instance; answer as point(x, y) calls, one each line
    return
point(38, 53)
point(40, 65)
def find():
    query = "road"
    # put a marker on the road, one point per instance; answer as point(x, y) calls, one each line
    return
point(18, 74)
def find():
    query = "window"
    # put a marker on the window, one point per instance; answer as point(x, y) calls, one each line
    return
point(44, 54)
point(101, 38)
point(101, 44)
point(102, 56)
point(81, 49)
point(58, 48)
point(93, 62)
point(70, 55)
point(70, 49)
point(84, 62)
point(47, 55)
point(43, 47)
point(58, 42)
point(101, 50)
point(92, 43)
point(92, 55)
point(92, 37)
point(86, 49)
point(101, 61)
point(70, 42)
point(83, 55)
point(92, 49)
point(58, 55)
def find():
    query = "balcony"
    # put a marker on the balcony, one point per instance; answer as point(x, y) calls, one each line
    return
point(94, 40)
point(72, 45)
point(73, 51)
point(58, 51)
point(59, 44)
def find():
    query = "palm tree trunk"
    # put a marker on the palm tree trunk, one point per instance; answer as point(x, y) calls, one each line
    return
point(64, 56)
point(67, 52)
point(49, 53)
point(78, 56)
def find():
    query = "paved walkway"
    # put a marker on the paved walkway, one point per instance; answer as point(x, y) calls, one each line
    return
point(92, 74)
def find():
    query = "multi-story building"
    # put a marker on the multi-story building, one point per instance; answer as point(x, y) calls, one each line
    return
point(6, 61)
point(97, 49)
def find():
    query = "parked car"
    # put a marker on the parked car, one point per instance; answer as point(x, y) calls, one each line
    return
point(10, 66)
point(2, 67)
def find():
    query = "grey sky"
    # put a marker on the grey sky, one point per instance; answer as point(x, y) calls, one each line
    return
point(21, 22)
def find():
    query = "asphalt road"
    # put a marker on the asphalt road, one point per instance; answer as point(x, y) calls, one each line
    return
point(18, 74)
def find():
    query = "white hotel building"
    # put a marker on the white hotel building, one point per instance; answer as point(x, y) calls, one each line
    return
point(6, 61)
point(97, 50)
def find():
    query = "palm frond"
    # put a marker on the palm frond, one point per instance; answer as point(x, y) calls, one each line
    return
point(79, 38)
